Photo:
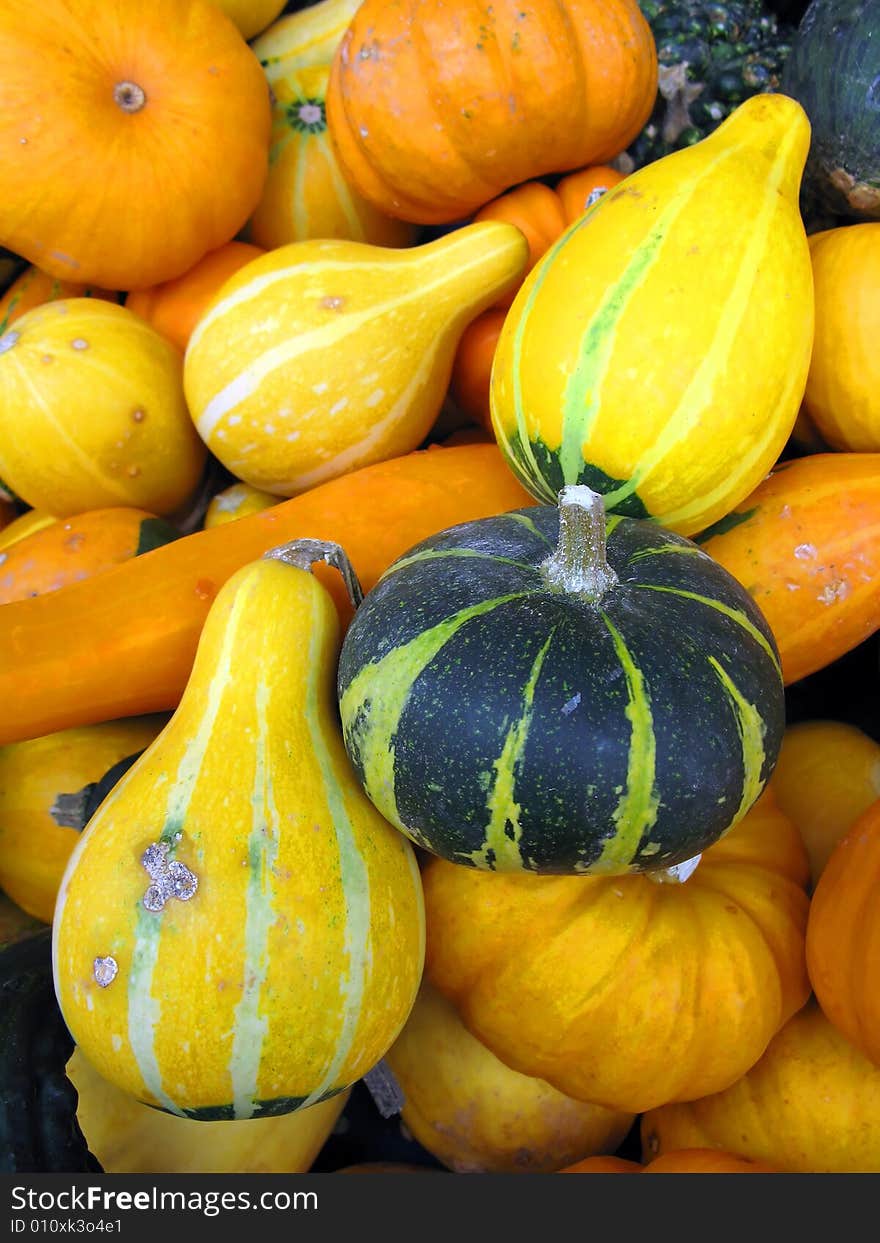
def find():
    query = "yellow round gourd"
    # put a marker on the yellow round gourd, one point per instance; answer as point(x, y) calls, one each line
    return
point(92, 412)
point(658, 351)
point(236, 501)
point(251, 16)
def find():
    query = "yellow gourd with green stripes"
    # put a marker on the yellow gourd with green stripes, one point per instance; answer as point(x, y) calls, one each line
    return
point(328, 355)
point(659, 351)
point(239, 933)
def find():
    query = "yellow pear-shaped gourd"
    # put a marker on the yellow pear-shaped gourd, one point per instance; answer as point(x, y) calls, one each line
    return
point(325, 356)
point(659, 351)
point(239, 933)
point(307, 37)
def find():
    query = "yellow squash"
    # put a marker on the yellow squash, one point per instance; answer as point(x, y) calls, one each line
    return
point(237, 501)
point(307, 37)
point(239, 933)
point(659, 351)
point(325, 356)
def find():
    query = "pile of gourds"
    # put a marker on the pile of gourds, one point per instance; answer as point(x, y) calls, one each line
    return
point(413, 533)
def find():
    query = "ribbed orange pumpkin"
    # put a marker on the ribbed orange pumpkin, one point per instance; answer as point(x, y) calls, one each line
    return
point(843, 935)
point(436, 108)
point(134, 136)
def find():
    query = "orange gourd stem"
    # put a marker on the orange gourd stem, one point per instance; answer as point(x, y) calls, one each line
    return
point(124, 643)
point(806, 545)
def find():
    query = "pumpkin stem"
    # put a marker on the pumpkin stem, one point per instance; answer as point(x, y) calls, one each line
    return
point(303, 553)
point(579, 564)
point(677, 874)
point(129, 96)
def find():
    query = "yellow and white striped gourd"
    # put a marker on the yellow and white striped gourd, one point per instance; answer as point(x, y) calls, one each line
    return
point(325, 356)
point(239, 933)
point(307, 37)
point(658, 352)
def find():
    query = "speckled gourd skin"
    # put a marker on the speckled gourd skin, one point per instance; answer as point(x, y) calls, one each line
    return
point(290, 971)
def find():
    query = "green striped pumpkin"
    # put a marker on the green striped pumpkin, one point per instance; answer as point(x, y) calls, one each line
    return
point(658, 352)
point(513, 702)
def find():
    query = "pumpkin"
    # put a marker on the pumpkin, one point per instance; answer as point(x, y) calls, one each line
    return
point(804, 545)
point(93, 653)
point(127, 78)
point(92, 412)
point(174, 307)
point(262, 378)
point(39, 1132)
point(541, 214)
point(506, 76)
point(35, 843)
point(810, 1105)
point(251, 16)
point(130, 1138)
point(827, 775)
point(75, 548)
point(34, 287)
point(477, 1116)
point(624, 991)
point(306, 193)
point(699, 263)
point(239, 500)
point(299, 907)
point(683, 1161)
point(843, 932)
point(515, 695)
point(842, 396)
point(24, 525)
point(832, 70)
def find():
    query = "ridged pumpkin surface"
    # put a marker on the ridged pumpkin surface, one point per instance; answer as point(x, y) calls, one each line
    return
point(621, 990)
point(262, 373)
point(292, 968)
point(659, 351)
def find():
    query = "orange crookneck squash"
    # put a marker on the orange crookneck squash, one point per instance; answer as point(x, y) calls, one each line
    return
point(507, 74)
point(94, 93)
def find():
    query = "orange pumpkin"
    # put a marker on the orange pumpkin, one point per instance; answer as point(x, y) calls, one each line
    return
point(625, 991)
point(25, 524)
point(94, 92)
point(843, 935)
point(683, 1161)
point(34, 287)
point(842, 396)
point(579, 190)
point(66, 551)
point(527, 88)
point(173, 308)
point(806, 545)
point(827, 774)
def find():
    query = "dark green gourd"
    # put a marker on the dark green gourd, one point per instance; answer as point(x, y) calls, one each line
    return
point(514, 705)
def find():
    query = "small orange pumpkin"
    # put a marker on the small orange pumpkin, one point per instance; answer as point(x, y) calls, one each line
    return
point(527, 88)
point(173, 308)
point(94, 92)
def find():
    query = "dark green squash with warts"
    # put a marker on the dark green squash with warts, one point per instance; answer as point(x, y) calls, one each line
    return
point(833, 71)
point(512, 701)
point(39, 1132)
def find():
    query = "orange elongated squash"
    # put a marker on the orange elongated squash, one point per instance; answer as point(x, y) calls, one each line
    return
point(95, 653)
point(806, 545)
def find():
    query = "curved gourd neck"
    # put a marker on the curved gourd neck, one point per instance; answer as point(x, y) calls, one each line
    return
point(303, 553)
point(470, 267)
point(579, 565)
point(773, 129)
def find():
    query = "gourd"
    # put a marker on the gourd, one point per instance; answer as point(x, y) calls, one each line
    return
point(810, 1105)
point(130, 1138)
point(239, 500)
point(842, 935)
point(832, 70)
point(476, 1115)
point(536, 692)
point(39, 1132)
point(174, 307)
point(98, 652)
point(506, 77)
point(67, 551)
point(842, 396)
point(34, 287)
point(827, 775)
point(25, 524)
point(683, 1161)
point(237, 949)
point(698, 263)
point(92, 412)
point(624, 991)
point(309, 36)
point(132, 76)
point(261, 374)
point(251, 16)
point(804, 545)
point(36, 838)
